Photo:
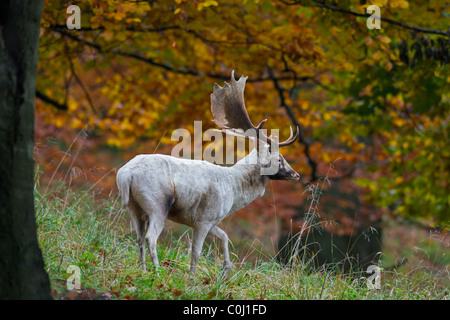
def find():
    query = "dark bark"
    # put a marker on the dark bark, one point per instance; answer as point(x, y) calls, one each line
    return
point(22, 273)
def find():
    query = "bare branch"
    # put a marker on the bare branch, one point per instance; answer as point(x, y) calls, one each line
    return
point(365, 15)
point(167, 67)
point(51, 101)
point(311, 162)
point(80, 83)
point(145, 28)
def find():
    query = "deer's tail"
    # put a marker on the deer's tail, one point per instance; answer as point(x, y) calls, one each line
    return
point(124, 179)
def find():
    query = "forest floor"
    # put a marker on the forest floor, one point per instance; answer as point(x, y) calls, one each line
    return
point(78, 232)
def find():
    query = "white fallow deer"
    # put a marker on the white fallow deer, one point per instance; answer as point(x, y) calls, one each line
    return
point(197, 193)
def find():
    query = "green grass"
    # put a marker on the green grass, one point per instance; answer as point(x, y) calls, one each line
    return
point(76, 229)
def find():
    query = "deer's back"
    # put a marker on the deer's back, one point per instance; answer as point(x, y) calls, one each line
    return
point(188, 190)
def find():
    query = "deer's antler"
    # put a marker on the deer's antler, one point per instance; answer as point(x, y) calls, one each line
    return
point(230, 114)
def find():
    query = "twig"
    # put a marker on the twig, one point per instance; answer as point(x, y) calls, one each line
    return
point(365, 15)
point(164, 66)
point(86, 93)
point(51, 101)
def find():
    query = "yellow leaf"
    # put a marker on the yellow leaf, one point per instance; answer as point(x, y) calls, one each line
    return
point(209, 3)
point(384, 39)
point(377, 55)
point(72, 106)
point(369, 42)
point(119, 16)
point(59, 122)
point(327, 116)
point(380, 3)
point(130, 20)
point(388, 66)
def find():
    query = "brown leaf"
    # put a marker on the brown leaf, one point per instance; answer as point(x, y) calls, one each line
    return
point(72, 295)
point(177, 292)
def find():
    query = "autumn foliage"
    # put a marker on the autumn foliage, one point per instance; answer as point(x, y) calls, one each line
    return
point(371, 103)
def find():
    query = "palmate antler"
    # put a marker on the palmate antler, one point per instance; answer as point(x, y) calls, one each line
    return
point(230, 114)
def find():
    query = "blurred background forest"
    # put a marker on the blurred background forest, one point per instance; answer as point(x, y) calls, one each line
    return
point(372, 106)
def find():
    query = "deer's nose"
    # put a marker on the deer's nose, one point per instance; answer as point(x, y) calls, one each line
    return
point(295, 176)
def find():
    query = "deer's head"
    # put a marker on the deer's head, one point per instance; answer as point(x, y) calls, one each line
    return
point(230, 114)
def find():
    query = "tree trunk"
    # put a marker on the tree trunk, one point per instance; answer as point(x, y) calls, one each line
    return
point(22, 273)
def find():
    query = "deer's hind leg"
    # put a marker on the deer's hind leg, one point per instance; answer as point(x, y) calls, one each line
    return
point(223, 237)
point(156, 209)
point(140, 224)
point(155, 227)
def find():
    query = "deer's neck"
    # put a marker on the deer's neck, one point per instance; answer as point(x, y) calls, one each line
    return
point(248, 184)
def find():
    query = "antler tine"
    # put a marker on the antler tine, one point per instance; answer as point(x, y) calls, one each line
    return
point(261, 124)
point(291, 138)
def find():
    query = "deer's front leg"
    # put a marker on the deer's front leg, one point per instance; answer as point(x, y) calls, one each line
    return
point(198, 237)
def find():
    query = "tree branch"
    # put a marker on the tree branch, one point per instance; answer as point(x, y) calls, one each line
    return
point(80, 83)
point(50, 101)
point(144, 28)
point(162, 65)
point(365, 15)
point(311, 162)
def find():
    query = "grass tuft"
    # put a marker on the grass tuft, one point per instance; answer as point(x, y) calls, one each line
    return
point(76, 229)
